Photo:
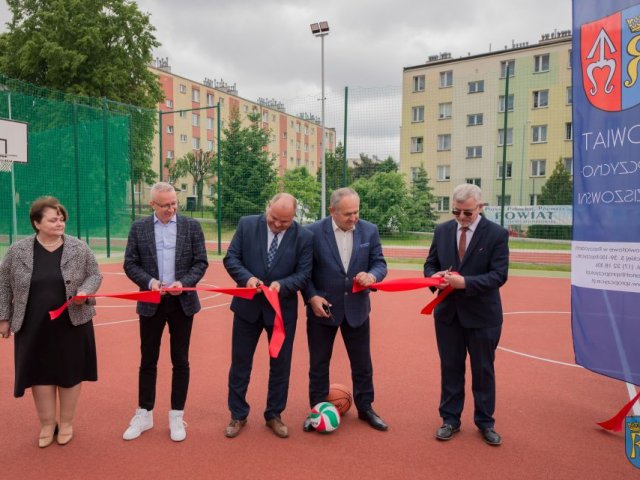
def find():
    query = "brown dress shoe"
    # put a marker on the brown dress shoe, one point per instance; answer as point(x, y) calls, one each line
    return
point(234, 427)
point(279, 428)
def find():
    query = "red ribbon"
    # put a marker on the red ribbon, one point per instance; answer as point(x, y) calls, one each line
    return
point(153, 296)
point(404, 284)
point(615, 423)
point(277, 335)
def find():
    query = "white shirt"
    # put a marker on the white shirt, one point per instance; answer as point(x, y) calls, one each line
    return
point(345, 243)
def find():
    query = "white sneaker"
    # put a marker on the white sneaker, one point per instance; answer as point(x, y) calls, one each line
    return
point(141, 422)
point(176, 425)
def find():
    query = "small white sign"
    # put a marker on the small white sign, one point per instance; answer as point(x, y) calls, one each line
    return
point(531, 215)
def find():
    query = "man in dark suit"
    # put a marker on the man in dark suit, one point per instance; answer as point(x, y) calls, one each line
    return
point(472, 254)
point(273, 250)
point(164, 250)
point(344, 249)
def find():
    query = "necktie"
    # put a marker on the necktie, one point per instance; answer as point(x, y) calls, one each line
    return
point(271, 254)
point(462, 244)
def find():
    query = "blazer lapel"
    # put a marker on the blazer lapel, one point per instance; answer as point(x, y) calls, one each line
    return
point(330, 239)
point(262, 238)
point(474, 240)
point(181, 234)
point(25, 255)
point(357, 233)
point(150, 238)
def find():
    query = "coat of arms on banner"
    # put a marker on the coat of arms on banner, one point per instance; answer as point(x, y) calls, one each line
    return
point(632, 440)
point(610, 58)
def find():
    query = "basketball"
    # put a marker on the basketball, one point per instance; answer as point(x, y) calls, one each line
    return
point(341, 397)
point(325, 417)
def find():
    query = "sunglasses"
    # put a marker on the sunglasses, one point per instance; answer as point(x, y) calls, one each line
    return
point(467, 213)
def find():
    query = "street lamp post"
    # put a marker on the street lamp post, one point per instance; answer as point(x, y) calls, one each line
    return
point(321, 29)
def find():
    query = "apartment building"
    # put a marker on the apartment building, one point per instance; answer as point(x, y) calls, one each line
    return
point(453, 120)
point(295, 140)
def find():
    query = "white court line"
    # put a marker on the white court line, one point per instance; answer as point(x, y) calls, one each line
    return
point(107, 324)
point(535, 357)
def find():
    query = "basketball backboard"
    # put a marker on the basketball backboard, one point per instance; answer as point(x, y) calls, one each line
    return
point(13, 141)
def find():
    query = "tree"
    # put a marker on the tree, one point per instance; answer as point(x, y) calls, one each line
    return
point(199, 165)
point(388, 165)
point(98, 48)
point(248, 173)
point(367, 167)
point(306, 189)
point(334, 172)
point(422, 217)
point(384, 200)
point(557, 190)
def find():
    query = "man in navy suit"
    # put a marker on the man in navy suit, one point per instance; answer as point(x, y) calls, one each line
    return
point(472, 254)
point(274, 250)
point(164, 250)
point(345, 249)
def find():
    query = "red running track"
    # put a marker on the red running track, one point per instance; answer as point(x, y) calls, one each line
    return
point(546, 411)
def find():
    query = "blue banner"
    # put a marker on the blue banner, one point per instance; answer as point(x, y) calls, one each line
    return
point(605, 265)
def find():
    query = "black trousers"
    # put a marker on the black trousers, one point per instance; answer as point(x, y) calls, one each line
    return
point(244, 341)
point(320, 338)
point(454, 341)
point(151, 328)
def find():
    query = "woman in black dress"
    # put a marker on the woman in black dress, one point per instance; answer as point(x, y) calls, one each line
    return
point(53, 358)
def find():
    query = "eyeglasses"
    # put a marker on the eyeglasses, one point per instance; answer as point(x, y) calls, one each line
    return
point(166, 206)
point(467, 213)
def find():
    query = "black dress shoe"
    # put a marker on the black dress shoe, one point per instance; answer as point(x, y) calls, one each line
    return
point(491, 437)
point(373, 419)
point(307, 426)
point(446, 431)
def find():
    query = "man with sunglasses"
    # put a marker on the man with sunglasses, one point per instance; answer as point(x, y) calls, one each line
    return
point(471, 253)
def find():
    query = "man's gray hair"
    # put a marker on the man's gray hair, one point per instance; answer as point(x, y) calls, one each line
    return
point(161, 187)
point(466, 191)
point(339, 194)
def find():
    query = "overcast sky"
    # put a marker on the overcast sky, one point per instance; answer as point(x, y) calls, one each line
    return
point(266, 47)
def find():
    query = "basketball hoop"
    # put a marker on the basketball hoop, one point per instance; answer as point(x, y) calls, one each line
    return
point(5, 164)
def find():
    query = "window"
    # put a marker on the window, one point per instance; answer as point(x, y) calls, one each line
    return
point(265, 117)
point(212, 190)
point(534, 199)
point(306, 129)
point(418, 83)
point(540, 98)
point(501, 136)
point(169, 103)
point(210, 100)
point(169, 129)
point(476, 87)
point(568, 131)
point(414, 173)
point(569, 65)
point(539, 134)
point(567, 163)
point(538, 168)
point(183, 186)
point(246, 108)
point(183, 138)
point(221, 101)
point(474, 181)
point(183, 88)
point(446, 79)
point(443, 204)
point(510, 65)
point(284, 134)
point(195, 95)
point(169, 154)
point(195, 120)
point(193, 190)
point(416, 144)
point(209, 123)
point(474, 152)
point(444, 173)
point(444, 142)
point(182, 114)
point(507, 200)
point(509, 103)
point(195, 142)
point(474, 119)
point(541, 63)
point(210, 145)
point(569, 96)
point(444, 110)
point(417, 114)
point(500, 170)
